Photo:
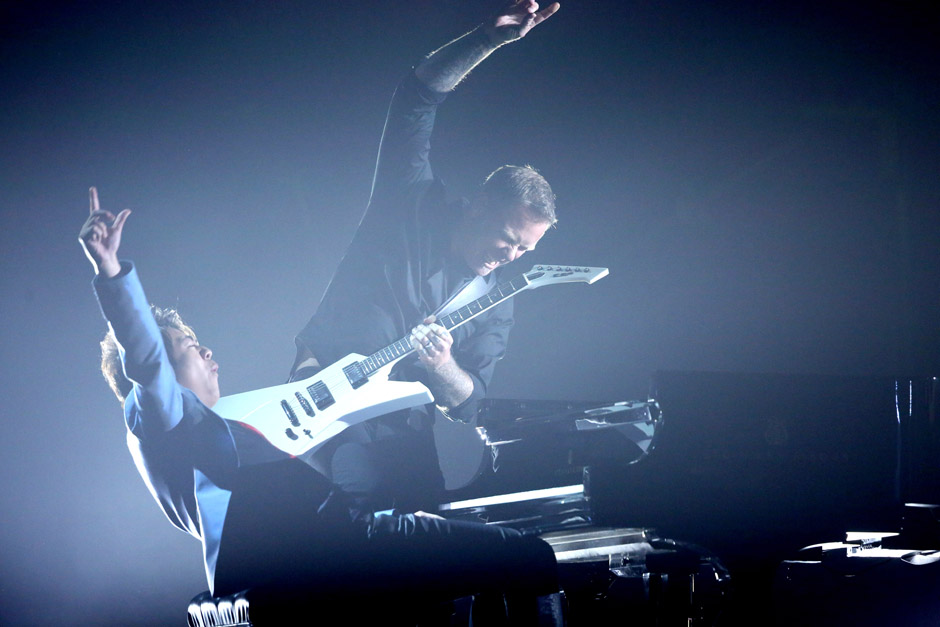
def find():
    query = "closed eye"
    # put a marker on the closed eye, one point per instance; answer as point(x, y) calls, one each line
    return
point(513, 240)
point(188, 342)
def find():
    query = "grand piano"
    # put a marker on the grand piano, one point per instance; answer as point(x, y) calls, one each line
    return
point(741, 469)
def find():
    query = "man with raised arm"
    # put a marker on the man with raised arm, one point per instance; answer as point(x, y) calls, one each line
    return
point(413, 253)
point(267, 522)
point(167, 382)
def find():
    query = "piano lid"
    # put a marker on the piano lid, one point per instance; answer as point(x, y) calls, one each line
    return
point(753, 458)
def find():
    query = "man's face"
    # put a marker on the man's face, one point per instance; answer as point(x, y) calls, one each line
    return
point(487, 240)
point(194, 367)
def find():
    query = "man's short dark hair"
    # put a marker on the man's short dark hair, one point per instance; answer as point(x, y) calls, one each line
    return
point(520, 185)
point(111, 365)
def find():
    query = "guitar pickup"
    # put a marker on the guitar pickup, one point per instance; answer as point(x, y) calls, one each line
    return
point(321, 395)
point(355, 376)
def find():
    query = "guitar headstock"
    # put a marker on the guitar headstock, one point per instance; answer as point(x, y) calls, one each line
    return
point(544, 274)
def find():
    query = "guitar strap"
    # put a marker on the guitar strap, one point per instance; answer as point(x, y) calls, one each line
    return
point(467, 294)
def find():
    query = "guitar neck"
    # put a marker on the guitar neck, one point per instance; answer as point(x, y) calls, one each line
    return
point(402, 348)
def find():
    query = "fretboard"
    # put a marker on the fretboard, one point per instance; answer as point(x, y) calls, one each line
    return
point(402, 348)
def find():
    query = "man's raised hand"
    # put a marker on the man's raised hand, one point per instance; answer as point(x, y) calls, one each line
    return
point(101, 236)
point(516, 19)
point(443, 69)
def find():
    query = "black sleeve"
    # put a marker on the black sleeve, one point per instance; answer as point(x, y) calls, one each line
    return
point(403, 168)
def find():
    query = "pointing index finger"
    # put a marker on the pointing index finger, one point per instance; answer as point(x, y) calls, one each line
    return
point(93, 199)
point(546, 13)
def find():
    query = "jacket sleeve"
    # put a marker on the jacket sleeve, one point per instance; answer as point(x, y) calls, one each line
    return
point(156, 397)
point(403, 168)
point(478, 354)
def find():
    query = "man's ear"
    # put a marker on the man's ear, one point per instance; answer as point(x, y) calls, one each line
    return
point(477, 206)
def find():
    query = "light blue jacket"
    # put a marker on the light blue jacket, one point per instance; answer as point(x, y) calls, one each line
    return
point(184, 452)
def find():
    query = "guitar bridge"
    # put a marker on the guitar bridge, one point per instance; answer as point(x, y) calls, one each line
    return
point(291, 415)
point(304, 403)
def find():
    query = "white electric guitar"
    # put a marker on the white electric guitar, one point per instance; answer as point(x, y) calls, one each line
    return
point(303, 415)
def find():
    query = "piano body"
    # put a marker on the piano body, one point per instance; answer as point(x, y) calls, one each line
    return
point(752, 467)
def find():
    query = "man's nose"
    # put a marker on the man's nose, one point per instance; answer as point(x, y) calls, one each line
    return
point(206, 352)
point(508, 254)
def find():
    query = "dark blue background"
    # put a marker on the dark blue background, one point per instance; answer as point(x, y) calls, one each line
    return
point(760, 177)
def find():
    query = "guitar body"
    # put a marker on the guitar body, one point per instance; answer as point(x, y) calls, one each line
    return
point(301, 416)
point(282, 413)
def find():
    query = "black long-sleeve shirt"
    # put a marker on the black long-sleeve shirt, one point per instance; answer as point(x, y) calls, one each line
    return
point(399, 267)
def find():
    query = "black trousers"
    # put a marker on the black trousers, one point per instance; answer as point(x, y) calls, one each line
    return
point(389, 462)
point(381, 467)
point(289, 535)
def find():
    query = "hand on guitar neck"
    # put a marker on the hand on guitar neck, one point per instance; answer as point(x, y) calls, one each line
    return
point(432, 342)
point(449, 383)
